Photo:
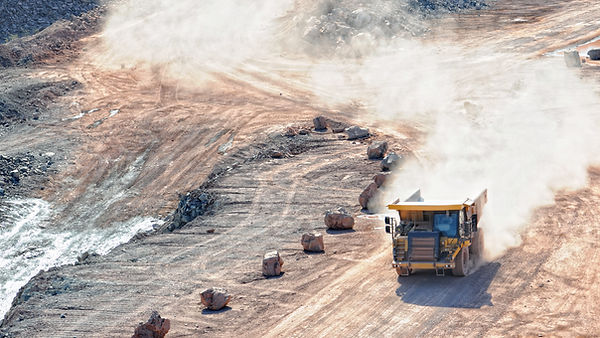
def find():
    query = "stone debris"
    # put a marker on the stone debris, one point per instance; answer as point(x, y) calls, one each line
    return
point(339, 219)
point(380, 178)
point(320, 123)
point(313, 242)
point(155, 327)
point(272, 263)
point(290, 132)
point(356, 132)
point(594, 54)
point(215, 298)
point(377, 150)
point(391, 161)
point(572, 59)
point(367, 194)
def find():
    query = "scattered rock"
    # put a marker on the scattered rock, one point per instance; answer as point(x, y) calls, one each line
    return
point(215, 298)
point(303, 131)
point(356, 132)
point(272, 264)
point(313, 242)
point(572, 58)
point(379, 179)
point(277, 154)
point(377, 150)
point(390, 162)
point(339, 219)
point(594, 54)
point(210, 231)
point(320, 123)
point(290, 132)
point(367, 194)
point(155, 327)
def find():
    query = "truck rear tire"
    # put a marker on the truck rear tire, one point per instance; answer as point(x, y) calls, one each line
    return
point(461, 267)
point(477, 245)
point(403, 272)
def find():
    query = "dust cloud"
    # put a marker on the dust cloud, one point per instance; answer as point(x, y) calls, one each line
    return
point(522, 128)
point(187, 39)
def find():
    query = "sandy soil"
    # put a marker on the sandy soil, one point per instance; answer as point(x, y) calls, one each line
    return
point(547, 286)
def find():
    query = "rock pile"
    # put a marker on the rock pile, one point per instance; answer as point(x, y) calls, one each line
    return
point(339, 219)
point(191, 205)
point(215, 298)
point(338, 24)
point(313, 242)
point(25, 17)
point(377, 150)
point(15, 169)
point(155, 327)
point(271, 264)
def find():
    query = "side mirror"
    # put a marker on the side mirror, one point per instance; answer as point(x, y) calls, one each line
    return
point(388, 220)
point(388, 229)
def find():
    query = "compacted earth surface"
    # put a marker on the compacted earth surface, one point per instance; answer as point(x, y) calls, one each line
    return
point(213, 178)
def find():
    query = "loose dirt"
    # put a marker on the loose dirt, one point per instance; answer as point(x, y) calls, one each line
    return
point(133, 141)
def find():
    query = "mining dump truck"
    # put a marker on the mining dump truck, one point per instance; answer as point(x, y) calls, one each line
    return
point(436, 235)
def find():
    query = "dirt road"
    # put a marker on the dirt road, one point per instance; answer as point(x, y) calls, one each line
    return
point(151, 139)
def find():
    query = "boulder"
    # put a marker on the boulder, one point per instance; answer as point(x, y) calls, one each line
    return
point(356, 132)
point(272, 263)
point(594, 54)
point(320, 123)
point(215, 298)
point(339, 219)
point(572, 58)
point(313, 241)
point(336, 126)
point(290, 132)
point(155, 327)
point(367, 194)
point(377, 150)
point(379, 179)
point(390, 162)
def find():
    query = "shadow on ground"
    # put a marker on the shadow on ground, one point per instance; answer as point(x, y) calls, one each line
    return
point(425, 288)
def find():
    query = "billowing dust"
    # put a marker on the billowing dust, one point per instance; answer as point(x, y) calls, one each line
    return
point(521, 128)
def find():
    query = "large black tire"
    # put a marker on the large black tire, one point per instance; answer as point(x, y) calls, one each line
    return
point(461, 267)
point(403, 272)
point(477, 244)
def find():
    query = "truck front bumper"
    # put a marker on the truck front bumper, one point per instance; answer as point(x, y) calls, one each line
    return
point(423, 265)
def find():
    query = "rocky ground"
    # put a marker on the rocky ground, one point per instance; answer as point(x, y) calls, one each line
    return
point(24, 18)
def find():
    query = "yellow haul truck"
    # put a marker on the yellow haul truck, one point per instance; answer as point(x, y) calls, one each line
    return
point(436, 235)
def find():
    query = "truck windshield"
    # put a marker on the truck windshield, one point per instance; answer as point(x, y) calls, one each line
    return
point(447, 225)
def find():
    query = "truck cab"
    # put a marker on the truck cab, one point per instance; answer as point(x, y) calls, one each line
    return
point(436, 235)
